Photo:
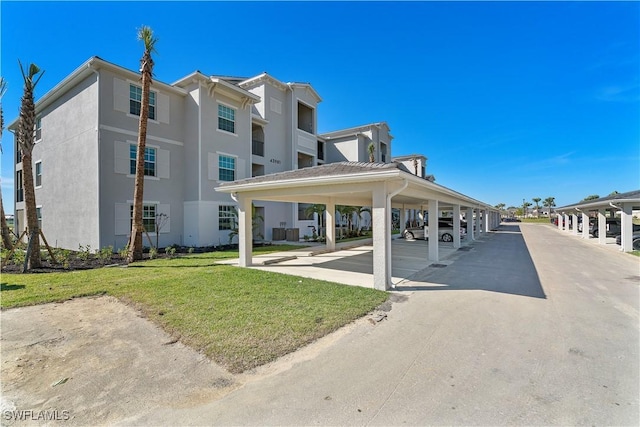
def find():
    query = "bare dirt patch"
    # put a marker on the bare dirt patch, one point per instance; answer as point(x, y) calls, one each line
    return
point(97, 361)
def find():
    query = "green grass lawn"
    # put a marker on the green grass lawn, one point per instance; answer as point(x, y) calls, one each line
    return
point(240, 318)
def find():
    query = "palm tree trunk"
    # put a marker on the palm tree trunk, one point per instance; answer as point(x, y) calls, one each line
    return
point(135, 244)
point(30, 211)
point(146, 70)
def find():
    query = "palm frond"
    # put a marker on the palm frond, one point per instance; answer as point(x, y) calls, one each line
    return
point(145, 34)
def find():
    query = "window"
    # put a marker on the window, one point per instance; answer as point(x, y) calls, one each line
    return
point(305, 118)
point(226, 168)
point(226, 217)
point(135, 101)
point(148, 218)
point(39, 215)
point(226, 118)
point(149, 160)
point(19, 187)
point(18, 154)
point(304, 212)
point(38, 129)
point(38, 174)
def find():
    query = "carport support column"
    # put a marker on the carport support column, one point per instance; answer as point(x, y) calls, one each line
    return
point(485, 220)
point(331, 224)
point(585, 225)
point(566, 222)
point(245, 231)
point(478, 226)
point(627, 228)
point(574, 222)
point(560, 220)
point(469, 217)
point(602, 226)
point(456, 226)
point(380, 220)
point(433, 231)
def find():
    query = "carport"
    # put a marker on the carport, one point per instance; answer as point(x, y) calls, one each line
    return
point(606, 207)
point(379, 185)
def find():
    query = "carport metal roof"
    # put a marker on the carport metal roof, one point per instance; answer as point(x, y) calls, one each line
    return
point(632, 197)
point(379, 185)
point(624, 203)
point(348, 183)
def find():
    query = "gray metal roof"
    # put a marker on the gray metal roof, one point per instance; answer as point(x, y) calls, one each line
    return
point(630, 196)
point(321, 171)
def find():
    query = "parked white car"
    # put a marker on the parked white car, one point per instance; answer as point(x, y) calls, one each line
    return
point(445, 232)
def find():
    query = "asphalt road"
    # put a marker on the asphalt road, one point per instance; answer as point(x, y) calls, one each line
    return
point(528, 327)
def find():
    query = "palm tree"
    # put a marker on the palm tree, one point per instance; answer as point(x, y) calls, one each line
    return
point(525, 207)
point(6, 234)
point(372, 152)
point(317, 209)
point(536, 200)
point(549, 202)
point(145, 34)
point(26, 141)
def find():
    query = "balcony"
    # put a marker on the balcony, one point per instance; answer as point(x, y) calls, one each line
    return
point(257, 147)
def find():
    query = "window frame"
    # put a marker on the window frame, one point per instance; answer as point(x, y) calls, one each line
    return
point(19, 186)
point(133, 154)
point(39, 216)
point(135, 105)
point(147, 221)
point(38, 129)
point(38, 174)
point(222, 169)
point(230, 122)
point(226, 217)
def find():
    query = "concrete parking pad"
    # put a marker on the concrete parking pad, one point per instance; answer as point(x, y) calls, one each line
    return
point(354, 265)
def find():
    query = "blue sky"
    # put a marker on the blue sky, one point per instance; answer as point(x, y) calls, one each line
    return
point(508, 100)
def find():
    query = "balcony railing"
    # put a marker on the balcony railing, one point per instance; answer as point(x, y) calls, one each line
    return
point(257, 147)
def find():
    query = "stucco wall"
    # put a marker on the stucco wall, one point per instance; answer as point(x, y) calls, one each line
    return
point(68, 196)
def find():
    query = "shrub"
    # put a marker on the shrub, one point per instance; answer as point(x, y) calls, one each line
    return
point(153, 253)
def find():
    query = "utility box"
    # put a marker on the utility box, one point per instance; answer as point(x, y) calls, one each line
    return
point(293, 234)
point(279, 234)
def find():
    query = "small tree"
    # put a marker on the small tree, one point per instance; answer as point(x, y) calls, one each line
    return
point(161, 220)
point(256, 220)
point(320, 210)
point(372, 152)
point(536, 200)
point(549, 202)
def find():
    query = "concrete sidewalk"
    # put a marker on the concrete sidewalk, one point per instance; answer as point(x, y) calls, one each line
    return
point(511, 333)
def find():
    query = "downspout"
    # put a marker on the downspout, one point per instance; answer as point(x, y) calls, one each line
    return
point(199, 147)
point(389, 197)
point(90, 67)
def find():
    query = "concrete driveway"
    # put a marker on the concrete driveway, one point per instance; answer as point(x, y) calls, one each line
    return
point(529, 327)
point(525, 327)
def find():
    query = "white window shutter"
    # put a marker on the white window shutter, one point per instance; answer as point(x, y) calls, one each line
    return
point(120, 95)
point(123, 219)
point(212, 160)
point(122, 160)
point(164, 164)
point(165, 209)
point(241, 166)
point(163, 106)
